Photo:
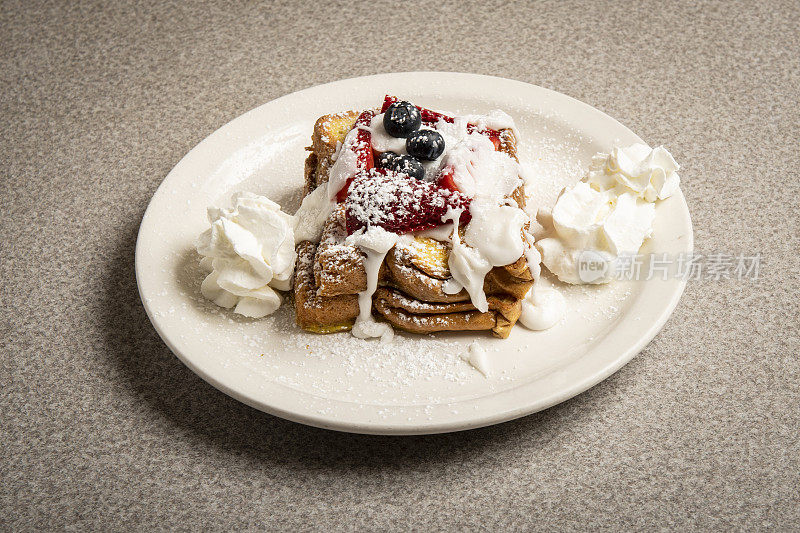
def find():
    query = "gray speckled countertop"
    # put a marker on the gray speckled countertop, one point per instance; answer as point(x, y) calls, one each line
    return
point(102, 428)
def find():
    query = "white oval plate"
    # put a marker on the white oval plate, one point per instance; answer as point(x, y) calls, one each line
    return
point(419, 384)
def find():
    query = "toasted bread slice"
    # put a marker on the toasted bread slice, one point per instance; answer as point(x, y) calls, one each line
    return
point(329, 134)
point(314, 312)
point(416, 316)
point(514, 279)
point(339, 268)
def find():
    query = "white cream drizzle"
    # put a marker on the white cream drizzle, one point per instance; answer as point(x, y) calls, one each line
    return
point(375, 243)
point(494, 235)
point(345, 165)
point(542, 308)
point(312, 214)
point(477, 358)
point(468, 267)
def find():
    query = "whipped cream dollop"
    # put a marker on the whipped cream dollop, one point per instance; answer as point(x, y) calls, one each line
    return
point(250, 252)
point(648, 173)
point(608, 214)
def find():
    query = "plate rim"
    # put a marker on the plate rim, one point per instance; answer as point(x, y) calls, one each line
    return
point(373, 427)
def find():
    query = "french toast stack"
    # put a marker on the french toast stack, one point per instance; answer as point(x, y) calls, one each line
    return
point(410, 295)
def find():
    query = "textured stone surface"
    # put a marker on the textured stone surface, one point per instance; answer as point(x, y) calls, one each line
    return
point(101, 427)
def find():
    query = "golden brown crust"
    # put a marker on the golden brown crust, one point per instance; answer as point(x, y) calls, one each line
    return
point(514, 279)
point(415, 316)
point(310, 173)
point(329, 133)
point(312, 310)
point(339, 268)
point(508, 143)
point(403, 275)
point(429, 323)
point(428, 255)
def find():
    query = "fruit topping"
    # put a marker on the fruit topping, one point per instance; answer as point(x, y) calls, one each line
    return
point(401, 163)
point(430, 118)
point(387, 101)
point(363, 144)
point(425, 144)
point(405, 164)
point(445, 179)
point(387, 159)
point(362, 147)
point(493, 135)
point(399, 203)
point(401, 118)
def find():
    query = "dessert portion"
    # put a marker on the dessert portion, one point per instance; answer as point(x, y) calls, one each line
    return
point(249, 254)
point(608, 214)
point(415, 219)
point(424, 224)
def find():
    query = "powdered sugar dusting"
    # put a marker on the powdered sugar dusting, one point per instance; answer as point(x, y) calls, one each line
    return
point(398, 203)
point(413, 369)
point(407, 359)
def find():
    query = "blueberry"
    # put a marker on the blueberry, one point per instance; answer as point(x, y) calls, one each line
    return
point(387, 159)
point(410, 166)
point(401, 118)
point(425, 144)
